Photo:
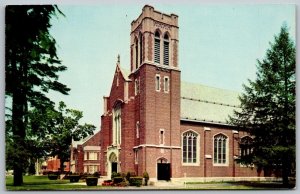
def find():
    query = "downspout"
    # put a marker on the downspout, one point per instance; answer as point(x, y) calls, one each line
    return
point(233, 158)
point(204, 147)
point(170, 95)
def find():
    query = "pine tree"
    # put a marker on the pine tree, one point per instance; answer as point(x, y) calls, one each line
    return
point(31, 70)
point(268, 108)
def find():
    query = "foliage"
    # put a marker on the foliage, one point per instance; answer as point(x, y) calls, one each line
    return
point(130, 174)
point(136, 181)
point(91, 181)
point(96, 174)
point(53, 176)
point(74, 178)
point(146, 177)
point(31, 71)
point(59, 127)
point(114, 174)
point(117, 179)
point(268, 108)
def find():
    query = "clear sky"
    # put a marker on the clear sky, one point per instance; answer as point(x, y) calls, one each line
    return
point(218, 45)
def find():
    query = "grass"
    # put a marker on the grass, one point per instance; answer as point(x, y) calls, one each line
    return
point(43, 183)
point(39, 183)
point(240, 185)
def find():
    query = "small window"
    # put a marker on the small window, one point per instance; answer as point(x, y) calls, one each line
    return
point(136, 54)
point(136, 86)
point(157, 82)
point(166, 49)
point(136, 157)
point(141, 47)
point(138, 129)
point(166, 84)
point(157, 47)
point(161, 137)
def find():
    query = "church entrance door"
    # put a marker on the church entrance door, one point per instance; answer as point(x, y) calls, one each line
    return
point(114, 167)
point(163, 169)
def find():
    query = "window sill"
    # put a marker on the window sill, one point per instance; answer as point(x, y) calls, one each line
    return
point(220, 165)
point(190, 164)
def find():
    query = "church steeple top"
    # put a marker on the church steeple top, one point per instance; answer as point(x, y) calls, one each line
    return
point(118, 59)
point(154, 39)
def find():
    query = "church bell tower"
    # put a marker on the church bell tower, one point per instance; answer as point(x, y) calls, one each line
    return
point(154, 39)
point(156, 76)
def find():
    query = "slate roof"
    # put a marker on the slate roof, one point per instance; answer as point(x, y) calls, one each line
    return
point(201, 103)
point(125, 73)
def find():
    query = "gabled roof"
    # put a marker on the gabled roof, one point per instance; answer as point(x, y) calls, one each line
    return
point(201, 103)
point(125, 73)
point(84, 140)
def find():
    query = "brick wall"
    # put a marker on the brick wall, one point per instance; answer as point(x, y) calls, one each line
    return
point(206, 168)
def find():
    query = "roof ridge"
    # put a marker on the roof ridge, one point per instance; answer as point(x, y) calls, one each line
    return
point(208, 101)
point(125, 72)
point(208, 86)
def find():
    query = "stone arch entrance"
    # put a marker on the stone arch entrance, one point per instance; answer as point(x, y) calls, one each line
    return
point(112, 164)
point(163, 169)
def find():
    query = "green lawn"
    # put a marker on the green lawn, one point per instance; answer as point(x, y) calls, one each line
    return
point(43, 183)
point(239, 185)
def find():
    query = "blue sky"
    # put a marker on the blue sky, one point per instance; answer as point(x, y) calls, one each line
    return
point(218, 45)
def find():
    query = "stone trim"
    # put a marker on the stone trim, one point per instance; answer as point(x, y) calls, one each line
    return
point(156, 146)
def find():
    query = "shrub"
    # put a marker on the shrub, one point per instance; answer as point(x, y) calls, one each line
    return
point(123, 184)
point(107, 183)
point(114, 174)
point(53, 176)
point(91, 181)
point(74, 178)
point(85, 175)
point(96, 174)
point(136, 181)
point(123, 175)
point(130, 174)
point(117, 179)
point(146, 177)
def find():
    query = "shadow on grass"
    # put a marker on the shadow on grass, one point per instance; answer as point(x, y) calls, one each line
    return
point(266, 185)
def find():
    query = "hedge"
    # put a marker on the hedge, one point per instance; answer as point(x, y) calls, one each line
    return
point(74, 178)
point(118, 179)
point(136, 181)
point(53, 176)
point(91, 181)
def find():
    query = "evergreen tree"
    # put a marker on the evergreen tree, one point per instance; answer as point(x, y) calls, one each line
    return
point(268, 108)
point(31, 68)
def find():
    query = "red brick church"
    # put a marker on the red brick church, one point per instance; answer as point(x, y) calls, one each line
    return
point(157, 123)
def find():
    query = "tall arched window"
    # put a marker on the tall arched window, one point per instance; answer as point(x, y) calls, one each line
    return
point(189, 147)
point(117, 125)
point(166, 49)
point(141, 47)
point(157, 47)
point(136, 54)
point(220, 149)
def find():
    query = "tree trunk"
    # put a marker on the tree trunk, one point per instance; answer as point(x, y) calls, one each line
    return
point(285, 174)
point(18, 175)
point(62, 166)
point(18, 126)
